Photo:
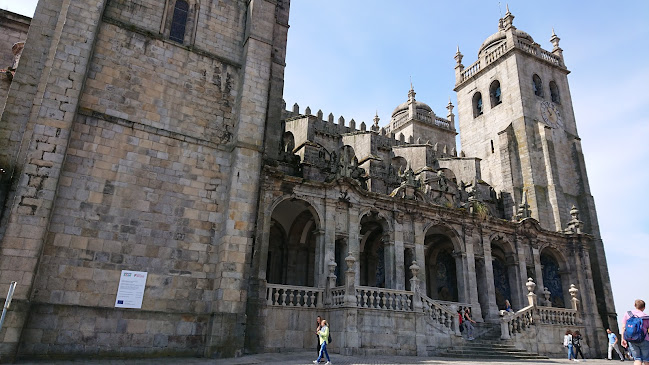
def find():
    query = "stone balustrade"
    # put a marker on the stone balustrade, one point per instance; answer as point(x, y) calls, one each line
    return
point(338, 296)
point(470, 71)
point(441, 313)
point(533, 314)
point(379, 298)
point(294, 296)
point(560, 316)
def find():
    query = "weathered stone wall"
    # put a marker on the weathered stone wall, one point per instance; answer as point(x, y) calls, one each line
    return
point(13, 28)
point(130, 162)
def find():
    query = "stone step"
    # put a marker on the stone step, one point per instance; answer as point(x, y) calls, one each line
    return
point(494, 356)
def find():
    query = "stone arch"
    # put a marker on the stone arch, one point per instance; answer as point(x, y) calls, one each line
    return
point(314, 207)
point(291, 250)
point(288, 141)
point(381, 214)
point(495, 94)
point(375, 257)
point(505, 271)
point(443, 265)
point(189, 10)
point(556, 275)
point(478, 104)
point(443, 228)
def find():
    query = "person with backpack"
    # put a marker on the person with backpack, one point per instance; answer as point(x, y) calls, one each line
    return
point(567, 342)
point(576, 345)
point(636, 333)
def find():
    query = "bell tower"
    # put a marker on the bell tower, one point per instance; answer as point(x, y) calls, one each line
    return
point(515, 114)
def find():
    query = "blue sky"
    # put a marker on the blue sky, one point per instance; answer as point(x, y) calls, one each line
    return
point(353, 58)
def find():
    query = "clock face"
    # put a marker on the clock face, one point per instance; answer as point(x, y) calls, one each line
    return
point(551, 114)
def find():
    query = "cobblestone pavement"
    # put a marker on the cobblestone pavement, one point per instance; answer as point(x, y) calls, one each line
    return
point(305, 358)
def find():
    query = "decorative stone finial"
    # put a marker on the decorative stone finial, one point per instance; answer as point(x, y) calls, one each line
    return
point(531, 285)
point(375, 127)
point(555, 41)
point(573, 291)
point(414, 268)
point(458, 57)
point(332, 266)
point(575, 225)
point(350, 261)
point(546, 295)
point(508, 20)
point(411, 94)
point(307, 111)
point(296, 108)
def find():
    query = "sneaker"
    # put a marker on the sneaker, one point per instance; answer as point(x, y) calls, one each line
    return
point(328, 363)
point(315, 361)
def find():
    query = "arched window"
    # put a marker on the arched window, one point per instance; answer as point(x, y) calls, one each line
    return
point(494, 93)
point(477, 105)
point(537, 85)
point(179, 21)
point(554, 92)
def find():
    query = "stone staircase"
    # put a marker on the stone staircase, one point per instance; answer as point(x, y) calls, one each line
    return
point(487, 345)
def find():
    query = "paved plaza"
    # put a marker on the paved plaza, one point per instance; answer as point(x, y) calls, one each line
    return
point(295, 358)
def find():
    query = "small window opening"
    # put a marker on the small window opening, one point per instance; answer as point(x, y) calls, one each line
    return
point(554, 92)
point(538, 85)
point(492, 146)
point(495, 94)
point(477, 105)
point(179, 21)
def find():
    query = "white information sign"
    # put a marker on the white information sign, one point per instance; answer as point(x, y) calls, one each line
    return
point(131, 289)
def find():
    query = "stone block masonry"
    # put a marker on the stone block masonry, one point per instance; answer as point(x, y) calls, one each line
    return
point(126, 151)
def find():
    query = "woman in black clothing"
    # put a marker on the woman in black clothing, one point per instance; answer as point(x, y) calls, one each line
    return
point(576, 344)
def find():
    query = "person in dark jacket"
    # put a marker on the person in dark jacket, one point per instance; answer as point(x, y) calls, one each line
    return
point(576, 345)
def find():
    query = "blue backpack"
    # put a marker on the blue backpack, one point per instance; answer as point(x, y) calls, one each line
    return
point(633, 330)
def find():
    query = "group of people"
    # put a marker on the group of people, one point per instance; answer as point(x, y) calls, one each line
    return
point(635, 335)
point(635, 338)
point(572, 341)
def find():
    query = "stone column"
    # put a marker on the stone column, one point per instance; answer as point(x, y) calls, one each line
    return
point(319, 235)
point(399, 269)
point(492, 314)
point(522, 272)
point(331, 281)
point(388, 259)
point(472, 281)
point(351, 338)
point(460, 259)
point(421, 327)
point(538, 269)
point(328, 249)
point(515, 285)
point(353, 244)
point(420, 257)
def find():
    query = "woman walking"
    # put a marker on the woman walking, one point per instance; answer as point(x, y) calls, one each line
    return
point(576, 345)
point(323, 333)
point(567, 342)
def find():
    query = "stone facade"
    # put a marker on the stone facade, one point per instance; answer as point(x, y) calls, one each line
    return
point(152, 136)
point(14, 29)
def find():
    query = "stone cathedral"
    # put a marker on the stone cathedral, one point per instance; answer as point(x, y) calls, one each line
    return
point(152, 136)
